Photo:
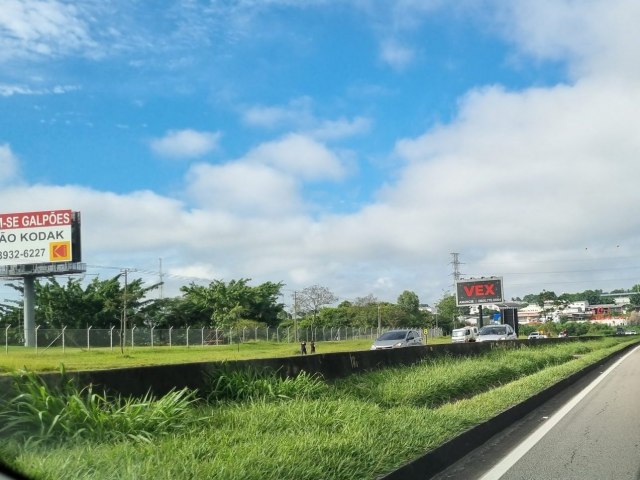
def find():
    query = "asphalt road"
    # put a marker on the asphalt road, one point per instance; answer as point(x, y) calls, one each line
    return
point(591, 431)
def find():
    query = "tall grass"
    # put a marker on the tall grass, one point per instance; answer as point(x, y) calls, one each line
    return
point(338, 435)
point(260, 384)
point(446, 379)
point(39, 412)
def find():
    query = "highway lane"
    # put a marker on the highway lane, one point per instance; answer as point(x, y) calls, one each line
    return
point(591, 431)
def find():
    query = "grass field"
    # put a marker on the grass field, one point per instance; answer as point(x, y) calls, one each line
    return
point(357, 428)
point(102, 358)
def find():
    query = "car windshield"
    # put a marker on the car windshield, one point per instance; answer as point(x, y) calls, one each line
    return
point(493, 331)
point(458, 333)
point(393, 335)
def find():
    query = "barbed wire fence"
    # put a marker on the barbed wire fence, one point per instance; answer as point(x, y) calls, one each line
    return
point(114, 338)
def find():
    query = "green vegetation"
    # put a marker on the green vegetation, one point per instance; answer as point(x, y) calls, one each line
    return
point(359, 427)
point(50, 360)
point(40, 413)
point(102, 358)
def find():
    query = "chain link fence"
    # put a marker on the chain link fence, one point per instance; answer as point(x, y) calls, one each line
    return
point(90, 337)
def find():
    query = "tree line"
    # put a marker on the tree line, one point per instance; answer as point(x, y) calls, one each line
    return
point(111, 302)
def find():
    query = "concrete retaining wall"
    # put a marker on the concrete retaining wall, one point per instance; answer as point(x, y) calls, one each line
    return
point(160, 379)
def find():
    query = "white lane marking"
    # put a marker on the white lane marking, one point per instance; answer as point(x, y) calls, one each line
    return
point(528, 443)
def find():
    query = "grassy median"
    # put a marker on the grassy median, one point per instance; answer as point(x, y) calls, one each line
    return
point(355, 428)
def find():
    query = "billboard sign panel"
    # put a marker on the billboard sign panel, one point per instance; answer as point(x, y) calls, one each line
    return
point(36, 237)
point(478, 291)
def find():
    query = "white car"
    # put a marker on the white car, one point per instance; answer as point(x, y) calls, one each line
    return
point(536, 335)
point(397, 339)
point(490, 333)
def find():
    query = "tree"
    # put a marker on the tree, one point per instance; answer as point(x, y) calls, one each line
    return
point(635, 297)
point(447, 311)
point(223, 304)
point(312, 298)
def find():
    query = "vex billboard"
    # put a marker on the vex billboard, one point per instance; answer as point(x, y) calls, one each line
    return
point(36, 237)
point(478, 291)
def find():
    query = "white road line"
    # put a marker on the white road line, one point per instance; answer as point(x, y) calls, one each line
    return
point(527, 444)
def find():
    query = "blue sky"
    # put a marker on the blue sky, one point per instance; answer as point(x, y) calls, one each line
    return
point(352, 144)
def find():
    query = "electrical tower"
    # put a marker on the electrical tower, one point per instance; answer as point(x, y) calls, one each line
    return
point(456, 267)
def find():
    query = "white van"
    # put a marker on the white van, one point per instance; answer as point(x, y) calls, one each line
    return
point(464, 335)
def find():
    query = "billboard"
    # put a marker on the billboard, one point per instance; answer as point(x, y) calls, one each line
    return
point(478, 291)
point(36, 237)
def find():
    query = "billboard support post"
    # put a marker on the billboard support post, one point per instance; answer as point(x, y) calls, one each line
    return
point(38, 244)
point(29, 311)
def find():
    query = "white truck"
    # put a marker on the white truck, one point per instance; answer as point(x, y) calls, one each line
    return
point(464, 335)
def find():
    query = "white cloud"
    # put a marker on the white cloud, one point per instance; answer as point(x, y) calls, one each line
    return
point(596, 38)
point(7, 90)
point(42, 28)
point(299, 155)
point(9, 164)
point(396, 55)
point(298, 115)
point(247, 189)
point(185, 143)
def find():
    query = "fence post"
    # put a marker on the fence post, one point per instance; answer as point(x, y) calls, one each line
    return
point(217, 337)
point(6, 339)
point(170, 328)
point(63, 329)
point(88, 342)
point(152, 335)
point(243, 329)
point(288, 338)
point(203, 336)
point(267, 333)
point(278, 334)
point(132, 332)
point(37, 339)
point(188, 335)
point(111, 337)
point(256, 334)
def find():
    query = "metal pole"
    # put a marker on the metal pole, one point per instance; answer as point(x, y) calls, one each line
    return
point(35, 335)
point(132, 330)
point(170, 328)
point(6, 339)
point(111, 337)
point(203, 336)
point(188, 335)
point(152, 336)
point(29, 311)
point(295, 316)
point(63, 329)
point(88, 343)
